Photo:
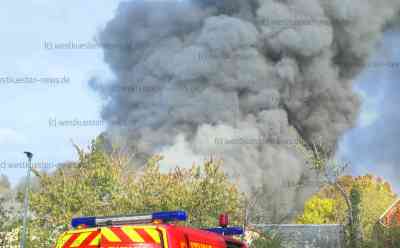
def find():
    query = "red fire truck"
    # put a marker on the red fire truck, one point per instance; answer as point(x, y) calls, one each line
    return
point(156, 230)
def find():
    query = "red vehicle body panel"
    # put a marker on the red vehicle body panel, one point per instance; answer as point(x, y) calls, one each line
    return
point(146, 236)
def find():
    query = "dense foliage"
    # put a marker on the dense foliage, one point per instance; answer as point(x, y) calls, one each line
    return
point(354, 229)
point(9, 213)
point(329, 207)
point(384, 238)
point(318, 210)
point(102, 184)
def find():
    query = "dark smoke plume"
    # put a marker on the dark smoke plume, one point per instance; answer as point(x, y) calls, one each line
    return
point(194, 75)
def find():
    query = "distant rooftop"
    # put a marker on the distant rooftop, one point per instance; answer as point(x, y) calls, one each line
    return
point(388, 217)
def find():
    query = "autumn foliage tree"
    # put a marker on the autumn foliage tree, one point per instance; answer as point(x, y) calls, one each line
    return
point(318, 210)
point(375, 194)
point(104, 184)
point(329, 207)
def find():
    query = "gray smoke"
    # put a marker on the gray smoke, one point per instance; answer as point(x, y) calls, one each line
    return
point(239, 80)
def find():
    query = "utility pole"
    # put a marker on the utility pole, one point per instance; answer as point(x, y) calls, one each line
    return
point(26, 200)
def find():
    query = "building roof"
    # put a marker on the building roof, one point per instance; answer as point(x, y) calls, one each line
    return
point(395, 204)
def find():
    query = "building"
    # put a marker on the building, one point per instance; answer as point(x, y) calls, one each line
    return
point(391, 217)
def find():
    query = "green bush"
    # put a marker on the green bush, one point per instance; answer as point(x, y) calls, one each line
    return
point(384, 238)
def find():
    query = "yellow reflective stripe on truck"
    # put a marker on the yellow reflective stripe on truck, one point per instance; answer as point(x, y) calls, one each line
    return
point(63, 240)
point(132, 234)
point(96, 241)
point(82, 237)
point(109, 235)
point(154, 234)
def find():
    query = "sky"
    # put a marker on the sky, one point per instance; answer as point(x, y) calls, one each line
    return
point(373, 146)
point(58, 91)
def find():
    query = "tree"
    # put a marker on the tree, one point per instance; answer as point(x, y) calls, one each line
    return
point(4, 184)
point(354, 229)
point(376, 196)
point(103, 184)
point(318, 210)
point(4, 199)
point(9, 213)
point(318, 157)
point(385, 237)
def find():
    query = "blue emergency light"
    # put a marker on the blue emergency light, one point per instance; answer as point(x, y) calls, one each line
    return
point(130, 219)
point(226, 230)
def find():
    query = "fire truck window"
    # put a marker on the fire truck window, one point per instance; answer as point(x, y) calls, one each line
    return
point(233, 245)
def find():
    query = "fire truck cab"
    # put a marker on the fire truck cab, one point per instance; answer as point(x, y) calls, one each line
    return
point(157, 230)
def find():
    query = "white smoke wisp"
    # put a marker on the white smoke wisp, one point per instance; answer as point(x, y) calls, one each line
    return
point(239, 79)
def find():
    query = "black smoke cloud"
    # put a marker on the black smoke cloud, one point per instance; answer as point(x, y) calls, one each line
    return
point(269, 69)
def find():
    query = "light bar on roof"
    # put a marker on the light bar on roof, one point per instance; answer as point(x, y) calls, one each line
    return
point(118, 220)
point(226, 230)
point(170, 216)
point(87, 221)
point(132, 219)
